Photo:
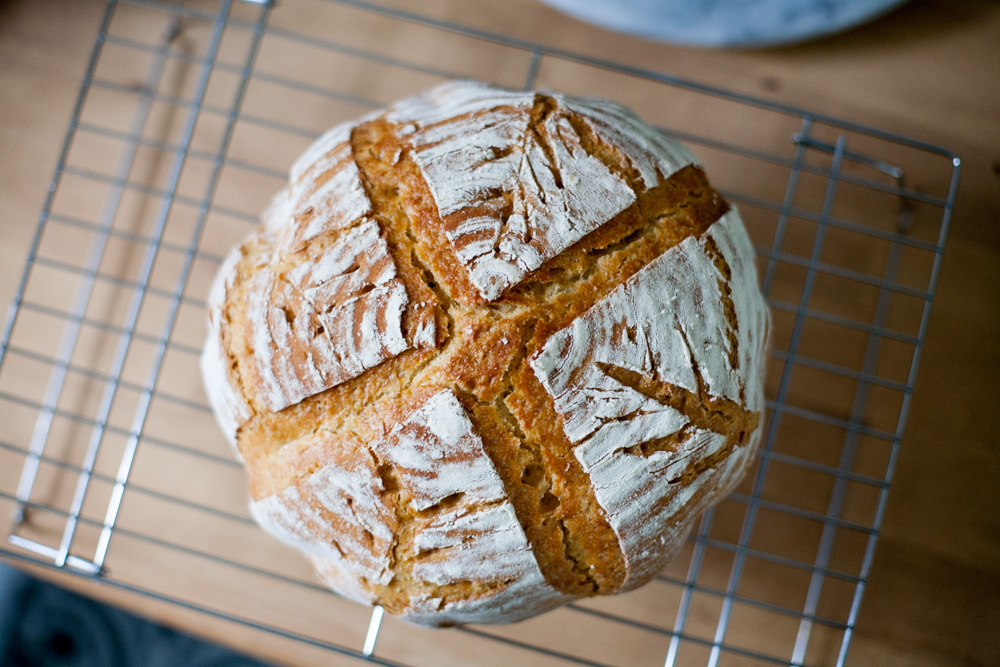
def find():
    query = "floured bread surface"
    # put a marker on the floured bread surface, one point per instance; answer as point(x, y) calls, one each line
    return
point(489, 352)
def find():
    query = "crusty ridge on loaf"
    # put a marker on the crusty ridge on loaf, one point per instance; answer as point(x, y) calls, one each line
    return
point(430, 261)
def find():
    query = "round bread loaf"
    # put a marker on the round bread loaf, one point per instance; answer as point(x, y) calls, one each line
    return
point(491, 351)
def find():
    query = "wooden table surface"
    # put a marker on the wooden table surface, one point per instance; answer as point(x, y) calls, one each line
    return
point(931, 71)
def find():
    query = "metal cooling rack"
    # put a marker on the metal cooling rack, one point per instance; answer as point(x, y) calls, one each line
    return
point(111, 467)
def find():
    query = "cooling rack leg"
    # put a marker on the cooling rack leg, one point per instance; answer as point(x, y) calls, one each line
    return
point(373, 627)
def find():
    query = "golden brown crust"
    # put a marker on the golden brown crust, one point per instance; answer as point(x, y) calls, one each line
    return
point(480, 352)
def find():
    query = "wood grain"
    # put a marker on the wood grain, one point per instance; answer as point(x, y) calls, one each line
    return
point(930, 70)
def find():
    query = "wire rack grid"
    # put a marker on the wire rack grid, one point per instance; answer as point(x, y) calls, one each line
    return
point(188, 117)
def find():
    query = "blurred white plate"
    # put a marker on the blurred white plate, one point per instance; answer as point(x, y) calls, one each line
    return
point(727, 23)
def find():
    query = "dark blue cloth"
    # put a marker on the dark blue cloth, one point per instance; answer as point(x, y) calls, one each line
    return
point(42, 625)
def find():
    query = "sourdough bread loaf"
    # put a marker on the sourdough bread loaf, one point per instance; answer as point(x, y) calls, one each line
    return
point(490, 351)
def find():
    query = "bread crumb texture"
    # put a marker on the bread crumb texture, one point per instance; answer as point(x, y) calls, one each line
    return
point(489, 352)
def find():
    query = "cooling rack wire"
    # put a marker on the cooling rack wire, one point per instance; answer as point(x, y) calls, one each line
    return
point(111, 467)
